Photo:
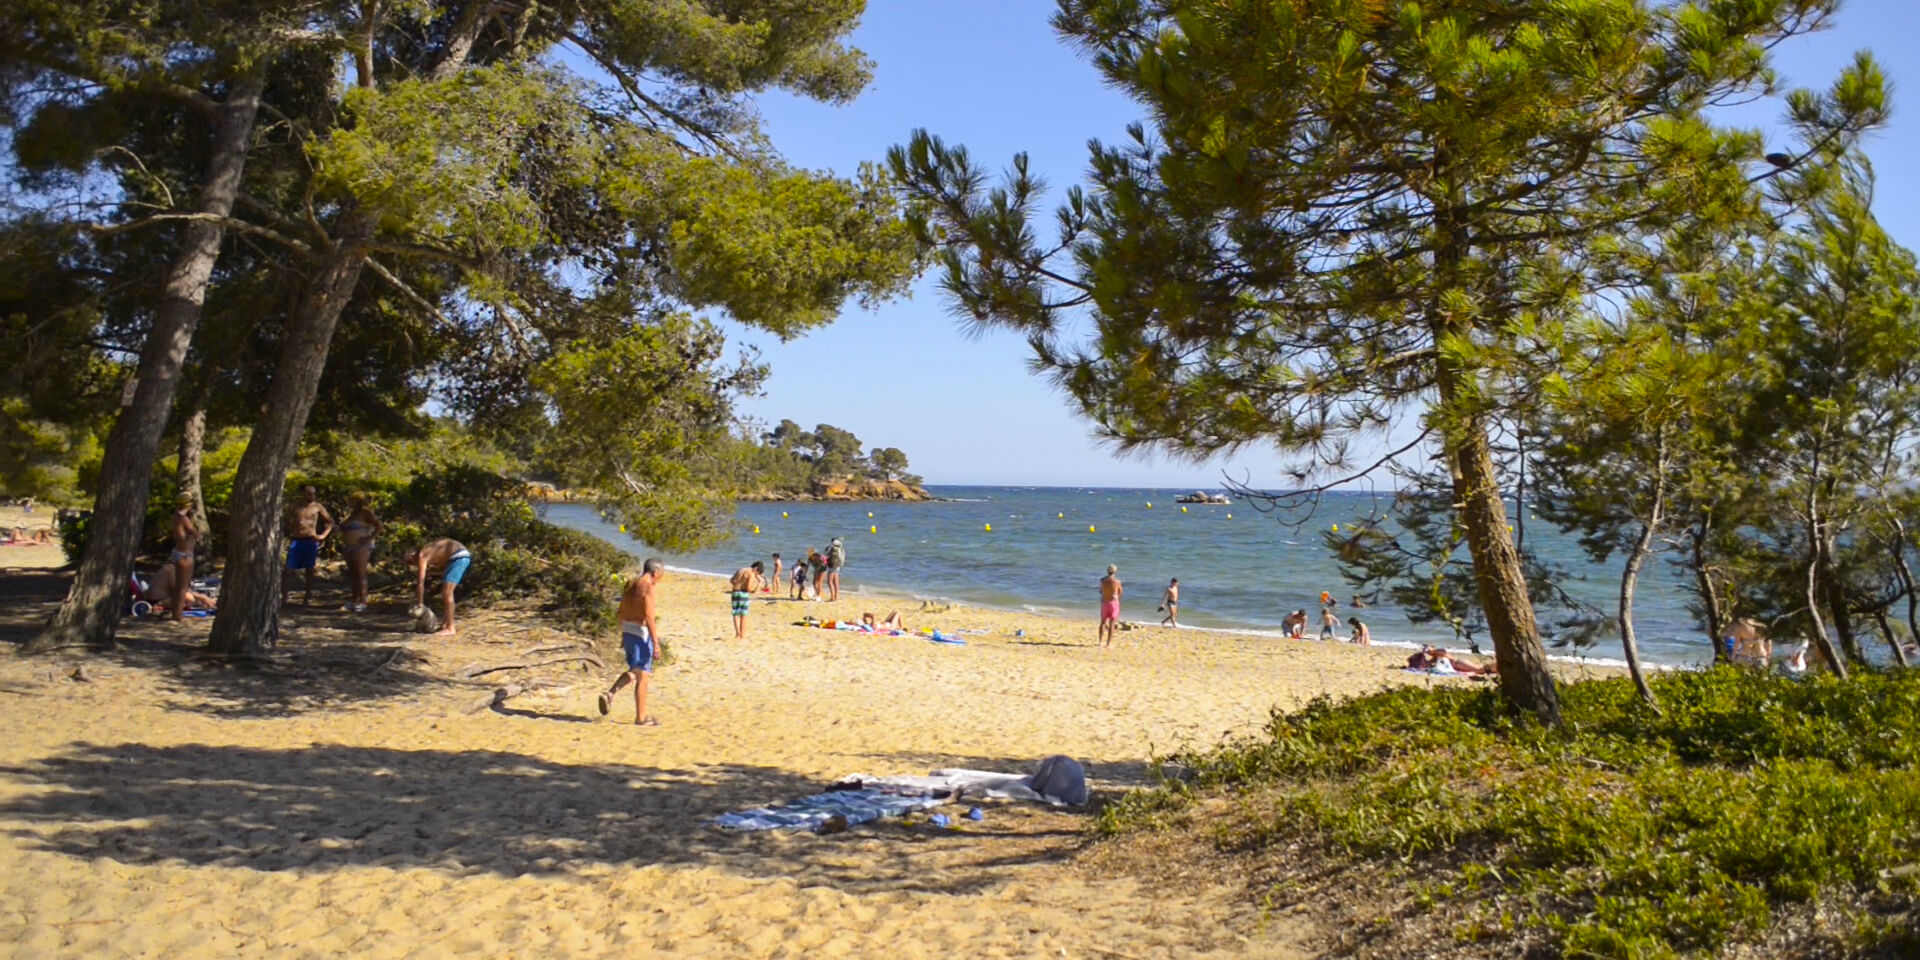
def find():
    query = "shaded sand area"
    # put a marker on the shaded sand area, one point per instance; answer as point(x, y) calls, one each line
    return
point(355, 797)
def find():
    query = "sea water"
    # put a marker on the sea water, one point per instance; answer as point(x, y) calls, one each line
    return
point(1241, 569)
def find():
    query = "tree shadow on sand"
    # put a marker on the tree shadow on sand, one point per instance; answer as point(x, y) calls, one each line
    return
point(332, 807)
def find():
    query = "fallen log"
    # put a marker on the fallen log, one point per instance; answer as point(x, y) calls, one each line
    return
point(502, 694)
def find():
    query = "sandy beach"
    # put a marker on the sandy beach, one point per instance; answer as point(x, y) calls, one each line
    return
point(357, 798)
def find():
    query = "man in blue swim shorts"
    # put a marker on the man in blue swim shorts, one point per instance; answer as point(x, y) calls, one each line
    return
point(639, 640)
point(307, 524)
point(745, 581)
point(443, 554)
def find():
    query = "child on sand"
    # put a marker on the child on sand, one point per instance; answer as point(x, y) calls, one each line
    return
point(1295, 625)
point(1329, 625)
point(639, 640)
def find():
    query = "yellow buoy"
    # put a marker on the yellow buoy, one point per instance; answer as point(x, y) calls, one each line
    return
point(873, 529)
point(783, 514)
point(623, 528)
point(1229, 516)
point(1090, 530)
point(1149, 505)
point(869, 514)
point(1059, 516)
point(756, 528)
point(1336, 528)
point(1183, 509)
point(989, 528)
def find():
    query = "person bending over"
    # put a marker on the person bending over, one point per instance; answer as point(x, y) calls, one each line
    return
point(745, 581)
point(449, 556)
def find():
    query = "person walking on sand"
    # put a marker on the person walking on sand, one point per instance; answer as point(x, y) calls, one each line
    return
point(1110, 591)
point(639, 640)
point(1171, 604)
point(1329, 625)
point(776, 579)
point(307, 524)
point(836, 561)
point(1361, 635)
point(745, 581)
point(358, 532)
point(186, 536)
point(453, 557)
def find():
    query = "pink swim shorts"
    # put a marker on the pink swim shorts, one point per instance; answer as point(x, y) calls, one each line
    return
point(1109, 609)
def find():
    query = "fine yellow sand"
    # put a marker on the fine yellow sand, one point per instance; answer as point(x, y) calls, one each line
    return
point(346, 803)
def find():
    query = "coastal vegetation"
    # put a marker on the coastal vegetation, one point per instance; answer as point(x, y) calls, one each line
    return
point(283, 214)
point(1463, 223)
point(1751, 810)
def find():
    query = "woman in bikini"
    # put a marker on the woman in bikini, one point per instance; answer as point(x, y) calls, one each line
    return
point(357, 536)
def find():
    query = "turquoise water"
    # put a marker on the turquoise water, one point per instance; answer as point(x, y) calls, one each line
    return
point(1239, 569)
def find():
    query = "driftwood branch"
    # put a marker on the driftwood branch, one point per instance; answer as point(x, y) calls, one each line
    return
point(502, 694)
point(481, 669)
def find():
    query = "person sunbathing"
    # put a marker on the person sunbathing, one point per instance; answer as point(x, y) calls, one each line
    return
point(893, 622)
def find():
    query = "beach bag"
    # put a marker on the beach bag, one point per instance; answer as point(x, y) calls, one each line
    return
point(1060, 778)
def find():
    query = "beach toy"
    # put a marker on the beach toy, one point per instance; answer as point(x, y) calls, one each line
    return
point(141, 608)
point(940, 820)
point(975, 813)
point(989, 528)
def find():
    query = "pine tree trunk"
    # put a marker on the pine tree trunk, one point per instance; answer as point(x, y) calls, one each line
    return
point(250, 595)
point(1630, 577)
point(91, 612)
point(193, 444)
point(1522, 660)
point(1703, 585)
point(1836, 596)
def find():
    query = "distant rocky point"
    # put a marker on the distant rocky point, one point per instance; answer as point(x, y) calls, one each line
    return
point(846, 490)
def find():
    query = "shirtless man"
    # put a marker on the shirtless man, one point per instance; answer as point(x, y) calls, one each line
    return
point(1110, 591)
point(308, 523)
point(186, 536)
point(639, 640)
point(453, 557)
point(745, 581)
point(1170, 602)
point(1295, 625)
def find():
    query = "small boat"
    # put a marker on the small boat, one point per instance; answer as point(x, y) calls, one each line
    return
point(1213, 499)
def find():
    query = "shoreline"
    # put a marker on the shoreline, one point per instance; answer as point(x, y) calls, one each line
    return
point(1091, 624)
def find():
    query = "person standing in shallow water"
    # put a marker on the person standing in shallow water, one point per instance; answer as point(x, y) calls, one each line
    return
point(639, 641)
point(1110, 591)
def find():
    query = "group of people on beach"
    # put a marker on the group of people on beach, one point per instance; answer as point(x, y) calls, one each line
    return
point(818, 576)
point(307, 525)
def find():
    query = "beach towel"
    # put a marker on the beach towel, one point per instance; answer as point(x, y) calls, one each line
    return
point(807, 813)
point(1056, 780)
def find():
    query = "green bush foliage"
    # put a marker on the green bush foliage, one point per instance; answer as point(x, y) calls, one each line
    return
point(1632, 834)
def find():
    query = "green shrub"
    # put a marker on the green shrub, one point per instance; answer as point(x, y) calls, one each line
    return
point(1633, 834)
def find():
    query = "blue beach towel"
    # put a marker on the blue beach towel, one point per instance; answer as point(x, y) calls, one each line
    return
point(806, 813)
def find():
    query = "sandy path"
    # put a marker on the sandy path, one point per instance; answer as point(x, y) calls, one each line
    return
point(188, 811)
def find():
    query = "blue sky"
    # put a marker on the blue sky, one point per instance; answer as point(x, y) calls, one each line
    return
point(990, 74)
